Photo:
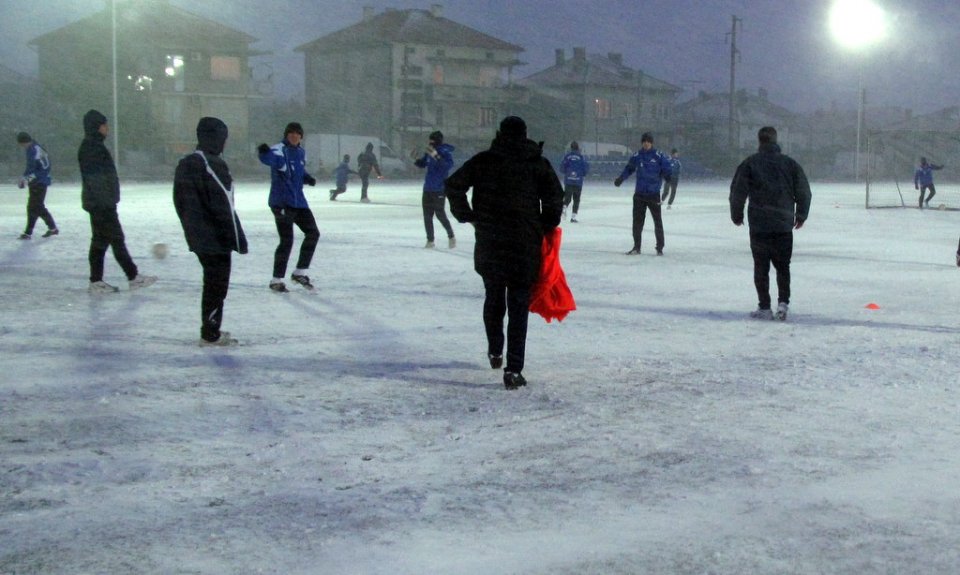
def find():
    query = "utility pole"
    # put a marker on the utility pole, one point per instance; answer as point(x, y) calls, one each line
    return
point(734, 57)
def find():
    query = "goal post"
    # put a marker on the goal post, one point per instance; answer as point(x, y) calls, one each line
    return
point(892, 157)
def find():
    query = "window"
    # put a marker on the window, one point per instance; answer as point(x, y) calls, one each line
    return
point(173, 69)
point(438, 74)
point(602, 108)
point(224, 68)
point(488, 117)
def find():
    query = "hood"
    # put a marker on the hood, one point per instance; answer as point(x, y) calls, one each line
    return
point(447, 147)
point(770, 148)
point(525, 149)
point(92, 121)
point(211, 135)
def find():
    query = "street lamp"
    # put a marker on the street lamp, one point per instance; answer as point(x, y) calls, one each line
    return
point(857, 25)
point(596, 126)
point(116, 119)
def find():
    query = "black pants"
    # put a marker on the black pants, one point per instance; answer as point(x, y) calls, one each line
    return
point(433, 205)
point(775, 248)
point(107, 232)
point(36, 209)
point(515, 302)
point(216, 281)
point(925, 187)
point(285, 219)
point(572, 192)
point(669, 189)
point(364, 183)
point(640, 206)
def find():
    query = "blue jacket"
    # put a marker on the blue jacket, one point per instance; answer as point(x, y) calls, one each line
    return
point(38, 165)
point(342, 172)
point(574, 167)
point(675, 167)
point(287, 170)
point(924, 175)
point(651, 167)
point(437, 168)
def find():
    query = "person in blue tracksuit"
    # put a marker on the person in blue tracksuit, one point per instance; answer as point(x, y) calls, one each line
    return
point(438, 160)
point(574, 167)
point(288, 174)
point(670, 184)
point(341, 174)
point(651, 167)
point(923, 180)
point(36, 178)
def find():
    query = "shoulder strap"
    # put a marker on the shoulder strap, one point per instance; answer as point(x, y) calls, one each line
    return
point(228, 193)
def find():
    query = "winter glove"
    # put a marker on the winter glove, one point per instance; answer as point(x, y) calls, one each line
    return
point(737, 221)
point(916, 187)
point(618, 181)
point(22, 183)
point(309, 180)
point(263, 148)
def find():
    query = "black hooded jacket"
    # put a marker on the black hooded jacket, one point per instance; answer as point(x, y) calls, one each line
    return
point(516, 198)
point(210, 224)
point(777, 188)
point(100, 185)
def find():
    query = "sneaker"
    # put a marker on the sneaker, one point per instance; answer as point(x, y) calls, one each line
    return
point(430, 245)
point(452, 243)
point(223, 341)
point(279, 287)
point(300, 279)
point(573, 218)
point(958, 259)
point(563, 216)
point(102, 287)
point(782, 311)
point(659, 251)
point(761, 314)
point(513, 380)
point(634, 252)
point(669, 206)
point(142, 281)
point(496, 361)
point(51, 232)
point(333, 195)
point(365, 200)
point(24, 237)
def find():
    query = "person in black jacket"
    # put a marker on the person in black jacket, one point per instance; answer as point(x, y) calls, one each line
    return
point(516, 198)
point(203, 198)
point(100, 194)
point(366, 163)
point(779, 195)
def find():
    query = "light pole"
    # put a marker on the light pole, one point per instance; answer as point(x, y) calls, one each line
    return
point(116, 119)
point(596, 126)
point(857, 25)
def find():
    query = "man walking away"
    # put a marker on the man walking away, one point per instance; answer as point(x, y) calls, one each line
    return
point(779, 197)
point(574, 167)
point(36, 178)
point(367, 162)
point(516, 198)
point(100, 194)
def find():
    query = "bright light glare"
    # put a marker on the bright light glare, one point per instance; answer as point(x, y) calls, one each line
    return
point(857, 23)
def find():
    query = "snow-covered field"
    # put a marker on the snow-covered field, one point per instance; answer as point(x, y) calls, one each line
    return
point(358, 429)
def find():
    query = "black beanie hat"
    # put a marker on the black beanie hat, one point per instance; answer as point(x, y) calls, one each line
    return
point(23, 138)
point(293, 127)
point(646, 137)
point(211, 135)
point(513, 128)
point(436, 136)
point(574, 145)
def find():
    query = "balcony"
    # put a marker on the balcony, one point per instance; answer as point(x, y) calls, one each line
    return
point(474, 94)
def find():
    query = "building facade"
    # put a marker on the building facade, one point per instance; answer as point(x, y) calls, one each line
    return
point(400, 74)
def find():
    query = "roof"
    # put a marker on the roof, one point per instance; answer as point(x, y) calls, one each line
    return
point(407, 26)
point(180, 28)
point(596, 70)
point(750, 107)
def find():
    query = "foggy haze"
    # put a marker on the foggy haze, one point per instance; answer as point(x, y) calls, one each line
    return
point(787, 51)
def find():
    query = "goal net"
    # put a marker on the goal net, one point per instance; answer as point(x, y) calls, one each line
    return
point(891, 159)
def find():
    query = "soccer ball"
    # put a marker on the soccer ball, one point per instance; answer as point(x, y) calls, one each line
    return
point(160, 250)
point(942, 207)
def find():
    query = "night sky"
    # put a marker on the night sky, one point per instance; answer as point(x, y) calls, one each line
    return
point(785, 47)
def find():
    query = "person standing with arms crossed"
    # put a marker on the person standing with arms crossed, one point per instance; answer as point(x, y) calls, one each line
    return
point(779, 202)
point(366, 163)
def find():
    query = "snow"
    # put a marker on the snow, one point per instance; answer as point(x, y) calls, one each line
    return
point(358, 429)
